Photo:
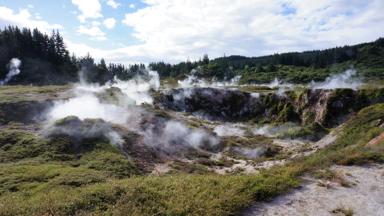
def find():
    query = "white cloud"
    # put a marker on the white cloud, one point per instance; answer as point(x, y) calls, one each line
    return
point(132, 6)
point(113, 4)
point(175, 29)
point(37, 15)
point(109, 23)
point(30, 6)
point(88, 8)
point(82, 49)
point(24, 19)
point(93, 31)
point(96, 23)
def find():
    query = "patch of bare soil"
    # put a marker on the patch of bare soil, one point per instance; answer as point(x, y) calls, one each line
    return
point(363, 195)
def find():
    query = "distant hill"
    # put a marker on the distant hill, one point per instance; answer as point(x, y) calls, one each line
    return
point(368, 58)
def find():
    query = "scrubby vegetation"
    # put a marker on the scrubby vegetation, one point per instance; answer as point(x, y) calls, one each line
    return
point(294, 67)
point(80, 186)
point(19, 93)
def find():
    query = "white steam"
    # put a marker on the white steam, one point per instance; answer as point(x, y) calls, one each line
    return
point(275, 131)
point(85, 129)
point(343, 80)
point(87, 105)
point(282, 87)
point(250, 153)
point(229, 130)
point(275, 83)
point(138, 89)
point(255, 95)
point(14, 70)
point(264, 130)
point(175, 135)
point(119, 106)
point(118, 102)
point(193, 81)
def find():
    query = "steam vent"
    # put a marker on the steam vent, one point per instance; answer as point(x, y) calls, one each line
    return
point(191, 108)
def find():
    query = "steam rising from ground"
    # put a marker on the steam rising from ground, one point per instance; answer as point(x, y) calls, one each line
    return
point(274, 131)
point(14, 70)
point(86, 106)
point(114, 102)
point(138, 89)
point(250, 153)
point(343, 80)
point(274, 84)
point(175, 136)
point(194, 81)
point(118, 102)
point(281, 87)
point(88, 128)
point(229, 130)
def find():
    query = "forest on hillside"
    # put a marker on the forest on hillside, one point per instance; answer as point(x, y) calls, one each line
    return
point(46, 60)
point(295, 67)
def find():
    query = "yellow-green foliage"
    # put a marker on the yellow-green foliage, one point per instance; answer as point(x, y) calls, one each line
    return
point(29, 93)
point(111, 162)
point(300, 74)
point(169, 195)
point(250, 142)
point(17, 144)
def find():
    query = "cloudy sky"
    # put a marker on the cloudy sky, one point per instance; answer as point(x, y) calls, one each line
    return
point(129, 31)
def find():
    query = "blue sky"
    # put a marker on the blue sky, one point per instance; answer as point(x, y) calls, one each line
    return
point(128, 31)
point(65, 13)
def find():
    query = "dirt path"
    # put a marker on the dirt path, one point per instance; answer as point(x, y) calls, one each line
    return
point(364, 197)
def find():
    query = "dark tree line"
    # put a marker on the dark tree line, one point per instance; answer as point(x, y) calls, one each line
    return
point(46, 60)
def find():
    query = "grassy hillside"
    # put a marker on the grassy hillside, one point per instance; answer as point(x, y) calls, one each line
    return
point(298, 67)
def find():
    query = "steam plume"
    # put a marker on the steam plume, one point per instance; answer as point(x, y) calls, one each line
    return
point(175, 136)
point(14, 70)
point(342, 80)
point(250, 153)
point(78, 130)
point(194, 81)
point(118, 102)
point(274, 131)
point(229, 130)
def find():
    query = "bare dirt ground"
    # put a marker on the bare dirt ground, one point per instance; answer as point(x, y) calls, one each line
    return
point(295, 148)
point(363, 195)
